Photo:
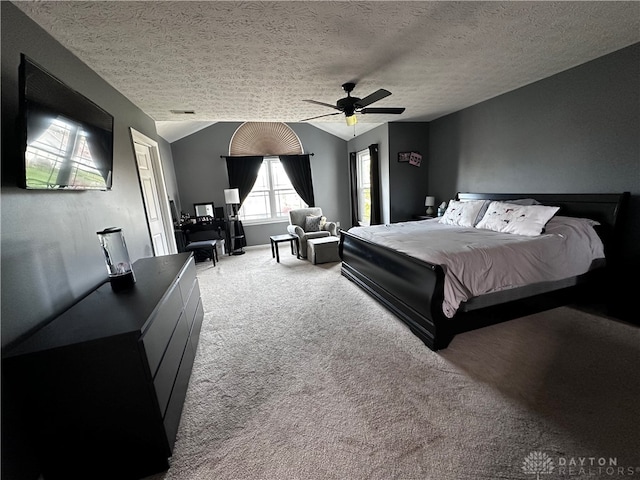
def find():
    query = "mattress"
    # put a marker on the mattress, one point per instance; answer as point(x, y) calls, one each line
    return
point(478, 262)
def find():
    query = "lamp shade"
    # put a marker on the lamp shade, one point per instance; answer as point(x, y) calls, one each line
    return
point(352, 120)
point(429, 201)
point(231, 196)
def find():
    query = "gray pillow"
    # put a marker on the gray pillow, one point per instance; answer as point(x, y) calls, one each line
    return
point(312, 223)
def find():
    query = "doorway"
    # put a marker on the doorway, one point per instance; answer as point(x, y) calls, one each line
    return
point(154, 194)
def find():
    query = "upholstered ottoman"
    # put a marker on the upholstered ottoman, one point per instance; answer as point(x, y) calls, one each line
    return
point(323, 250)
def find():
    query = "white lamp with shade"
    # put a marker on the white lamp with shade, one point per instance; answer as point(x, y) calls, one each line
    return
point(232, 198)
point(429, 202)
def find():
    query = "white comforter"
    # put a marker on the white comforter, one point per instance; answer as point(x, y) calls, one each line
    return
point(479, 261)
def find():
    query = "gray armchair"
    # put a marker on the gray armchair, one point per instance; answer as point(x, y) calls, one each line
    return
point(311, 228)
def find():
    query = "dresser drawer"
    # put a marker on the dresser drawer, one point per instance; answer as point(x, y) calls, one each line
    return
point(174, 409)
point(192, 304)
point(157, 336)
point(166, 376)
point(197, 326)
point(187, 278)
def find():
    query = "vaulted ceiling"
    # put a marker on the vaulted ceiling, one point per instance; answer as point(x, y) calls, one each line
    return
point(259, 61)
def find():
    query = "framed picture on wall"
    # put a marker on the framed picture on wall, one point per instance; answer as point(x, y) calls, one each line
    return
point(415, 159)
point(404, 156)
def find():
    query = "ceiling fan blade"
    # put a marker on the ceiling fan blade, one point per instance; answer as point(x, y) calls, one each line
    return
point(320, 116)
point(389, 110)
point(322, 103)
point(374, 97)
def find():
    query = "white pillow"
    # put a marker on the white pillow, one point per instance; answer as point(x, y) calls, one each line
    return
point(519, 201)
point(463, 214)
point(519, 219)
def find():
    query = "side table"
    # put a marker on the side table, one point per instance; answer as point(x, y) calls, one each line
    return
point(286, 237)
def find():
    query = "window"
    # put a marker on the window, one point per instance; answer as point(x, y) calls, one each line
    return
point(272, 196)
point(364, 187)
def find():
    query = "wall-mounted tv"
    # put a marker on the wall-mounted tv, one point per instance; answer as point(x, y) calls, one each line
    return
point(68, 139)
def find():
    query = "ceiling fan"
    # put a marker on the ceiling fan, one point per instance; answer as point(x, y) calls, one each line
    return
point(351, 105)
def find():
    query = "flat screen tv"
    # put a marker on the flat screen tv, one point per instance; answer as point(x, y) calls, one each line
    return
point(68, 139)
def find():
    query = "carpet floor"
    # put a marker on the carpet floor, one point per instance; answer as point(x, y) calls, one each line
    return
point(301, 375)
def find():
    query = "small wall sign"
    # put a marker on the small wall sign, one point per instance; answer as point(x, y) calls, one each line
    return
point(404, 156)
point(415, 159)
point(412, 158)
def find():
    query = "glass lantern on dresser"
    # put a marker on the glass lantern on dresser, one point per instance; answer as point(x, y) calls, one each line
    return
point(116, 257)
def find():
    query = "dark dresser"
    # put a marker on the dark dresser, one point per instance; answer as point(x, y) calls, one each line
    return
point(100, 389)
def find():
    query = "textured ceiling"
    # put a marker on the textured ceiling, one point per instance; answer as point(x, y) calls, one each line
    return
point(257, 61)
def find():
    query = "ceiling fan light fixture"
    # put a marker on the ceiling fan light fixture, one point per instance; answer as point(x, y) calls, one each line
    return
point(349, 105)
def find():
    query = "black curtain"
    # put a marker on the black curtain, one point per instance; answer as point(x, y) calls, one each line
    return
point(353, 179)
point(298, 169)
point(243, 172)
point(376, 214)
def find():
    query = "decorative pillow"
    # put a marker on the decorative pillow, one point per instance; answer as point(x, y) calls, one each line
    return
point(323, 222)
point(463, 214)
point(518, 201)
point(526, 220)
point(312, 223)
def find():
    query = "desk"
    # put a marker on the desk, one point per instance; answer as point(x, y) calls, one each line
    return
point(213, 230)
point(286, 237)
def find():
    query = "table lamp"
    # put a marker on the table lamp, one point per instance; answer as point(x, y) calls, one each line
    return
point(429, 202)
point(232, 198)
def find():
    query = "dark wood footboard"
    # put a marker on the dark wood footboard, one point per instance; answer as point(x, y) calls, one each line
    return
point(410, 288)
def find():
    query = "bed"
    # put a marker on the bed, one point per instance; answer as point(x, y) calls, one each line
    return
point(417, 285)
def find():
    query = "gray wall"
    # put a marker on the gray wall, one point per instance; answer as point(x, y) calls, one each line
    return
point(200, 172)
point(202, 175)
point(408, 184)
point(575, 132)
point(50, 252)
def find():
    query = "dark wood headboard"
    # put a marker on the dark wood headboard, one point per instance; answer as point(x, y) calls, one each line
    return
point(606, 208)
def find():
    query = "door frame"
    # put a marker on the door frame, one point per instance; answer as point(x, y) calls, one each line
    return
point(161, 187)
